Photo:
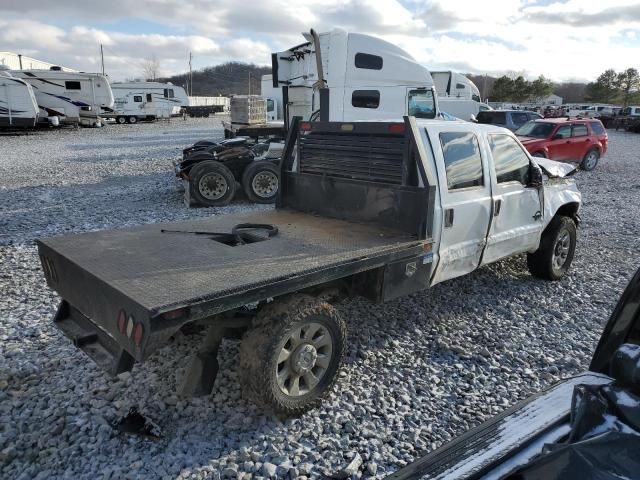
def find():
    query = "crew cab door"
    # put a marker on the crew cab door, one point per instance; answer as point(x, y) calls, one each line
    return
point(465, 199)
point(517, 211)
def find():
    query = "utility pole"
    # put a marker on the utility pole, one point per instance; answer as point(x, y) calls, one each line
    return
point(190, 75)
point(102, 58)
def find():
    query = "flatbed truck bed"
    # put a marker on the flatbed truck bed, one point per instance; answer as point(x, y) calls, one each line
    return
point(261, 130)
point(359, 228)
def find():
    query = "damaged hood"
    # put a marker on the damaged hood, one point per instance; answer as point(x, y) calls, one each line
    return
point(556, 169)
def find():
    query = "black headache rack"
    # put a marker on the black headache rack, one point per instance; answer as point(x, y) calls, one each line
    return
point(125, 292)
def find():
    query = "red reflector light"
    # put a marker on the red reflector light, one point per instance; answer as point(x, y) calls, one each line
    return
point(396, 128)
point(138, 334)
point(305, 126)
point(122, 322)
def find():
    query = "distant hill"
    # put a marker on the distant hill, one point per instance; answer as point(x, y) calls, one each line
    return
point(233, 78)
point(225, 79)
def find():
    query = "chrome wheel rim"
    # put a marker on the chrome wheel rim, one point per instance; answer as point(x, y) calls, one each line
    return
point(561, 249)
point(212, 186)
point(304, 359)
point(265, 184)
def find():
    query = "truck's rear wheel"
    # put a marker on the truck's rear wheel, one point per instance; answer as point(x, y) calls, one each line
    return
point(132, 119)
point(260, 181)
point(212, 184)
point(121, 120)
point(557, 246)
point(289, 358)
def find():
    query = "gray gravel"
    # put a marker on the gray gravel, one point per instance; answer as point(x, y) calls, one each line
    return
point(419, 371)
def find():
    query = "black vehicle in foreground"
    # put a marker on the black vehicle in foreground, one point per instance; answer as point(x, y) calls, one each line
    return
point(585, 427)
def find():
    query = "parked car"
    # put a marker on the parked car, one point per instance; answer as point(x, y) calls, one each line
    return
point(586, 427)
point(511, 119)
point(375, 209)
point(582, 141)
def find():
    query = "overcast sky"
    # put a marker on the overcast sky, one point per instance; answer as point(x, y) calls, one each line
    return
point(562, 39)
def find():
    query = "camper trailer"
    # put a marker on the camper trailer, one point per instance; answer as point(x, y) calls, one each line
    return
point(76, 97)
point(359, 77)
point(135, 101)
point(18, 106)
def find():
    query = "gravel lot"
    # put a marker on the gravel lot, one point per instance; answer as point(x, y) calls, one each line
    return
point(419, 370)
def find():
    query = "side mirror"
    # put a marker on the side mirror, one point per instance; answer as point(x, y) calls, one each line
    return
point(473, 118)
point(535, 176)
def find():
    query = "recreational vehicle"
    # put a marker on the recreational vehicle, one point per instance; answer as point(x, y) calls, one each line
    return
point(136, 101)
point(359, 77)
point(18, 106)
point(75, 97)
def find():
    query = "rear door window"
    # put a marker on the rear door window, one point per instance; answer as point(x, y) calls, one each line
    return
point(462, 160)
point(149, 97)
point(420, 104)
point(580, 131)
point(510, 161)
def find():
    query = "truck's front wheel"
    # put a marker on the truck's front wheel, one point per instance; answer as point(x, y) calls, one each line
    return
point(290, 357)
point(557, 246)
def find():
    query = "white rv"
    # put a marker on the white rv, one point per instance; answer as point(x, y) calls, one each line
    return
point(75, 97)
point(136, 101)
point(366, 77)
point(18, 106)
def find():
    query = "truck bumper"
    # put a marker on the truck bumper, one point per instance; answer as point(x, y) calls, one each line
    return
point(101, 347)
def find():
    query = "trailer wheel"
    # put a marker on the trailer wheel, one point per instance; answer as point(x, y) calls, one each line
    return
point(260, 181)
point(121, 120)
point(212, 184)
point(290, 357)
point(557, 246)
point(132, 119)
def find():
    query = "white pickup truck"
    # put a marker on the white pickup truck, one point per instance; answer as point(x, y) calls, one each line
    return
point(374, 209)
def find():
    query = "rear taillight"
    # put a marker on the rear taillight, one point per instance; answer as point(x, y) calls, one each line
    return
point(305, 126)
point(138, 334)
point(122, 322)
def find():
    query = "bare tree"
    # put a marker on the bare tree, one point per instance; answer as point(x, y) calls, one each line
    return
point(151, 68)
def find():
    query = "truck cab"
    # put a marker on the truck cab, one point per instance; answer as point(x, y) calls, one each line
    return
point(367, 79)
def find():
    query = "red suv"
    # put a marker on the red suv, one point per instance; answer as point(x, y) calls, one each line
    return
point(565, 140)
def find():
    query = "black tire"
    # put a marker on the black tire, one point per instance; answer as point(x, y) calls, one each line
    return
point(212, 184)
point(205, 114)
point(590, 160)
point(539, 155)
point(553, 258)
point(272, 330)
point(261, 181)
point(121, 120)
point(132, 119)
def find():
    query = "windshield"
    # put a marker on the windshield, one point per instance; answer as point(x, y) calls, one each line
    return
point(535, 129)
point(421, 104)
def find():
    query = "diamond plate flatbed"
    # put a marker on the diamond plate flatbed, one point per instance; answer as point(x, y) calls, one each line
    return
point(164, 270)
